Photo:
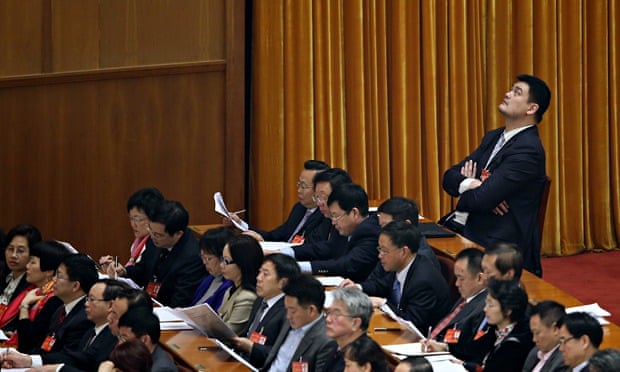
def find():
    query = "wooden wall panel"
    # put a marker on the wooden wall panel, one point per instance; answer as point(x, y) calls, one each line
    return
point(80, 145)
point(20, 37)
point(74, 35)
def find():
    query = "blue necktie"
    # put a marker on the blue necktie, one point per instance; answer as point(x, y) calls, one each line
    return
point(396, 292)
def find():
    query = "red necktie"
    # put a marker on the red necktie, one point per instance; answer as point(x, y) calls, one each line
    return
point(445, 321)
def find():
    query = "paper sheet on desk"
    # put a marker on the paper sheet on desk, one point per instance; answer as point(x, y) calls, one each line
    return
point(233, 354)
point(406, 323)
point(205, 320)
point(410, 349)
point(593, 309)
point(220, 207)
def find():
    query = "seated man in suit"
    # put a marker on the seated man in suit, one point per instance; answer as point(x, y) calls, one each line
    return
point(348, 205)
point(324, 183)
point(399, 208)
point(545, 356)
point(124, 301)
point(460, 326)
point(170, 269)
point(502, 261)
point(500, 184)
point(268, 313)
point(96, 344)
point(75, 276)
point(580, 337)
point(406, 281)
point(140, 323)
point(302, 345)
point(305, 222)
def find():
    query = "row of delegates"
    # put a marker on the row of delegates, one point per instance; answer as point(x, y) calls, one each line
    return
point(140, 207)
point(330, 246)
point(268, 314)
point(405, 281)
point(305, 223)
point(77, 333)
point(169, 267)
point(13, 283)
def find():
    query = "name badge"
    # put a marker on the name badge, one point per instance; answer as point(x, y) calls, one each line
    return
point(258, 338)
point(153, 289)
point(300, 366)
point(48, 343)
point(452, 336)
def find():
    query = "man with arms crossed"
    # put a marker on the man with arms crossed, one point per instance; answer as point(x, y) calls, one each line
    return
point(500, 184)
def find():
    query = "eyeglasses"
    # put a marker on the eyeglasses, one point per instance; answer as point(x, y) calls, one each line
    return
point(303, 186)
point(319, 200)
point(154, 234)
point(384, 252)
point(336, 218)
point(136, 219)
point(17, 251)
point(58, 277)
point(207, 258)
point(563, 340)
point(227, 261)
point(336, 314)
point(92, 299)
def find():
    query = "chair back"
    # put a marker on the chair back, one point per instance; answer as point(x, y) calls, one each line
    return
point(542, 209)
point(447, 270)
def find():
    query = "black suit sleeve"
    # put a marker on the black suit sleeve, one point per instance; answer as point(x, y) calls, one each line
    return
point(30, 335)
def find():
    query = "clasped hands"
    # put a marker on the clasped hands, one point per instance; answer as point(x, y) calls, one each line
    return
point(469, 170)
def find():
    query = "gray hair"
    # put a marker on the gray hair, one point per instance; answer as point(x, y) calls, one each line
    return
point(358, 304)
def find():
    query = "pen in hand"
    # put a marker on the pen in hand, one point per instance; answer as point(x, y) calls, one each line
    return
point(428, 338)
point(238, 212)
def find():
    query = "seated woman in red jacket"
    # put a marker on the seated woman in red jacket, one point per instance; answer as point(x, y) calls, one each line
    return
point(13, 283)
point(38, 306)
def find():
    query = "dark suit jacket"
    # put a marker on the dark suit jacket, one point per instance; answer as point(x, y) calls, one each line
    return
point(425, 299)
point(85, 358)
point(162, 362)
point(30, 335)
point(315, 347)
point(70, 332)
point(333, 246)
point(468, 321)
point(315, 228)
point(428, 252)
point(359, 256)
point(555, 363)
point(271, 325)
point(518, 177)
point(179, 273)
point(507, 356)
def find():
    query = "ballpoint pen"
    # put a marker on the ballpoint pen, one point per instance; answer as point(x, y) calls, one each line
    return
point(238, 212)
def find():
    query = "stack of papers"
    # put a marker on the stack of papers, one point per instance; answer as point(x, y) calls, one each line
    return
point(276, 246)
point(169, 321)
point(593, 309)
point(330, 281)
point(220, 207)
point(410, 349)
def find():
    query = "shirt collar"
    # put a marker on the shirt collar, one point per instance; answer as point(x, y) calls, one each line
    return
point(71, 305)
point(402, 275)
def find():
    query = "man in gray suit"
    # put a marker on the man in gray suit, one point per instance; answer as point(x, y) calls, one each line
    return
point(546, 355)
point(302, 345)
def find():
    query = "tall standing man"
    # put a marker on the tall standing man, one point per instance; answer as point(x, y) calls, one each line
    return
point(500, 184)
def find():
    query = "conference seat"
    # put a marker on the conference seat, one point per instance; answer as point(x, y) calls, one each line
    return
point(447, 271)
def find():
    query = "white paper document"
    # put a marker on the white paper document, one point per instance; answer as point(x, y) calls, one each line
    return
point(411, 349)
point(166, 314)
point(593, 309)
point(220, 207)
point(233, 354)
point(277, 246)
point(330, 281)
point(406, 323)
point(205, 320)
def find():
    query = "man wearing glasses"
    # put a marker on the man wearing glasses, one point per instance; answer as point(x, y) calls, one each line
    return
point(305, 222)
point(580, 337)
point(96, 343)
point(348, 205)
point(170, 269)
point(406, 282)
